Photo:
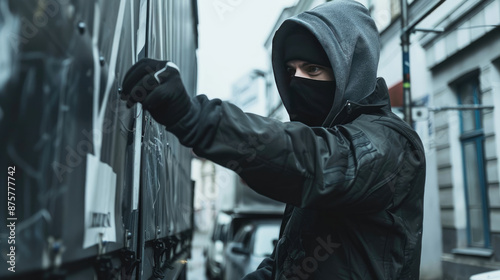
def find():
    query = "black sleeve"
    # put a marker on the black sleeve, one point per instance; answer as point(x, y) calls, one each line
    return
point(291, 162)
point(264, 271)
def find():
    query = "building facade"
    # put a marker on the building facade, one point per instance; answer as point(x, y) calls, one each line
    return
point(462, 64)
point(454, 68)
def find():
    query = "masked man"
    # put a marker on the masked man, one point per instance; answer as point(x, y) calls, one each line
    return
point(350, 171)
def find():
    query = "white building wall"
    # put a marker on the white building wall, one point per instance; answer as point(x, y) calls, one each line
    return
point(225, 181)
point(448, 56)
point(446, 126)
point(494, 77)
point(473, 60)
point(473, 27)
point(489, 86)
point(203, 173)
point(390, 63)
point(249, 93)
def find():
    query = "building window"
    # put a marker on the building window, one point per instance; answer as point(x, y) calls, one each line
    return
point(474, 174)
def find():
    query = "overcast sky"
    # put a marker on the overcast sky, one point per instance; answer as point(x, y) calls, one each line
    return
point(231, 43)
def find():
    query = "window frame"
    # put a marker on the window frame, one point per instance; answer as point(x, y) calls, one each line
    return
point(477, 137)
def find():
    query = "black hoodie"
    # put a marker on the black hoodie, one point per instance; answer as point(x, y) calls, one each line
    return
point(354, 187)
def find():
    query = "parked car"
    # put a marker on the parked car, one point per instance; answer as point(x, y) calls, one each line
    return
point(226, 225)
point(252, 243)
point(214, 251)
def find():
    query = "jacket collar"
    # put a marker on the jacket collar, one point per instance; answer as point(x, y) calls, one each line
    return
point(375, 101)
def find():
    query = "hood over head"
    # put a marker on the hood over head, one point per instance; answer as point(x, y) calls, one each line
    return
point(303, 45)
point(350, 39)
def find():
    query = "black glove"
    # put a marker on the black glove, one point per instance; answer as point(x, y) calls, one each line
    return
point(158, 86)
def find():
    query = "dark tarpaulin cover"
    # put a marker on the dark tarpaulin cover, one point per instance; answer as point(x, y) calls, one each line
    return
point(62, 62)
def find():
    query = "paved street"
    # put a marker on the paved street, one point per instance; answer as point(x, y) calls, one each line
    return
point(196, 265)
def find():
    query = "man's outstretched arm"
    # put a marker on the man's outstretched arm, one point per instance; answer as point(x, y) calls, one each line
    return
point(289, 162)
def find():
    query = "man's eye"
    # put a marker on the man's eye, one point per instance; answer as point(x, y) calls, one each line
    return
point(290, 71)
point(314, 69)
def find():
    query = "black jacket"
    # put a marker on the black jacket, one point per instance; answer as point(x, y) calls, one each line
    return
point(353, 188)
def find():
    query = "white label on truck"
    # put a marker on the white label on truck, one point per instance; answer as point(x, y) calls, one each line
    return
point(100, 189)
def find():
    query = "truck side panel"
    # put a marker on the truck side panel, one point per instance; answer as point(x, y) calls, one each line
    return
point(96, 184)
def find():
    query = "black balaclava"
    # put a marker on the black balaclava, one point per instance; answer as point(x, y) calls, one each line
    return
point(310, 100)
